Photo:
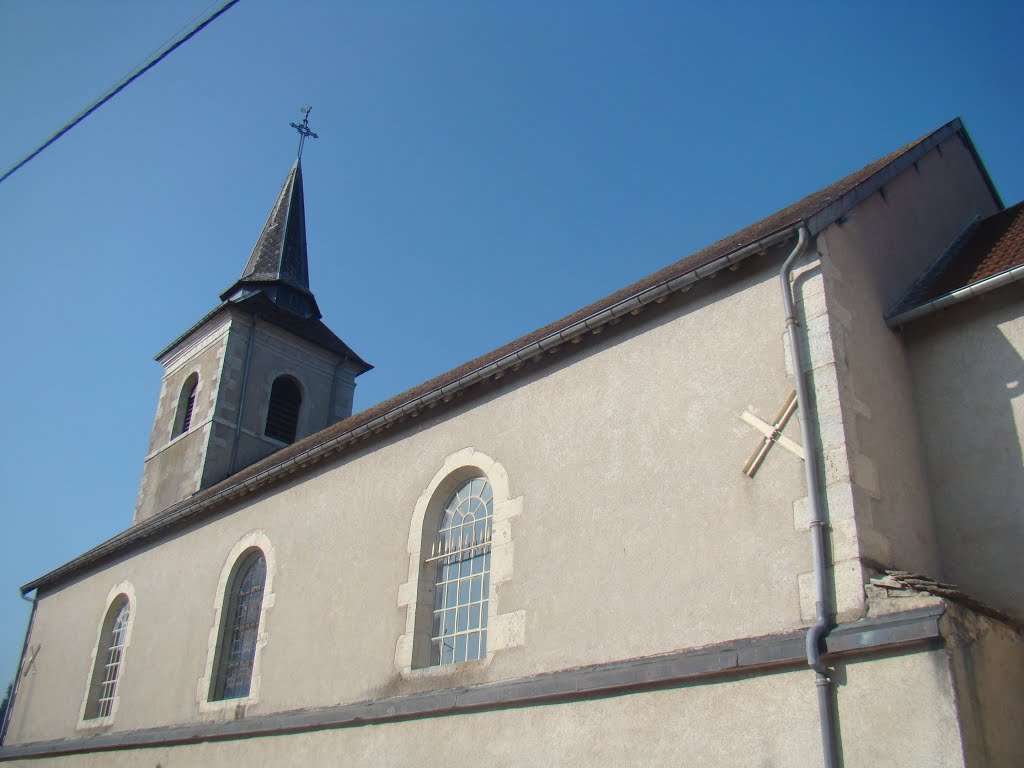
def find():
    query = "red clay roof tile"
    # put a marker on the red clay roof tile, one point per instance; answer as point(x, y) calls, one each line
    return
point(994, 245)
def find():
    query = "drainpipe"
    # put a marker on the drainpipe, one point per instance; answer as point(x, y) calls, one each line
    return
point(241, 397)
point(821, 624)
point(18, 674)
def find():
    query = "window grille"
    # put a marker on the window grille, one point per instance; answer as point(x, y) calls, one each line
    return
point(108, 663)
point(283, 411)
point(462, 557)
point(240, 629)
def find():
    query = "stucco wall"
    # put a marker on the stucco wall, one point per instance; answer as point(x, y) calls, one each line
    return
point(638, 532)
point(324, 386)
point(987, 661)
point(218, 352)
point(869, 261)
point(968, 375)
point(173, 467)
point(895, 711)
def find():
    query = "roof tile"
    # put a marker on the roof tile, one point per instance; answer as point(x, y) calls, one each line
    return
point(994, 245)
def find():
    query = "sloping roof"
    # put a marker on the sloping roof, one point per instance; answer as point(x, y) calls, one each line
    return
point(989, 248)
point(280, 252)
point(275, 282)
point(279, 264)
point(894, 581)
point(309, 328)
point(816, 211)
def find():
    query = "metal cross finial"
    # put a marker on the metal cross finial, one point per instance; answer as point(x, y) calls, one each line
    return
point(303, 129)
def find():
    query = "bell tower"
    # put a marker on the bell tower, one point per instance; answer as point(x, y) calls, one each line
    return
point(256, 373)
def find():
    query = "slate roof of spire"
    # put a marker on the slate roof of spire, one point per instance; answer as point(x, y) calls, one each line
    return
point(274, 285)
point(279, 264)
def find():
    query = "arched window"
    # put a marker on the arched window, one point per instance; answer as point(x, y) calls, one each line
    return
point(283, 411)
point(109, 656)
point(462, 557)
point(186, 404)
point(460, 550)
point(240, 626)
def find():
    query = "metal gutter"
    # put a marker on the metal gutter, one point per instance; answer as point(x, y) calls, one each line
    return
point(820, 628)
point(958, 296)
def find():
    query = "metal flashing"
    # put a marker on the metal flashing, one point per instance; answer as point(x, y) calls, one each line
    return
point(958, 296)
point(918, 628)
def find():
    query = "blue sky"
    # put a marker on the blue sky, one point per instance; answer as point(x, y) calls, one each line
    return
point(483, 169)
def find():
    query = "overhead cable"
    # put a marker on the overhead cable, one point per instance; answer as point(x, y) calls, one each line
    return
point(124, 83)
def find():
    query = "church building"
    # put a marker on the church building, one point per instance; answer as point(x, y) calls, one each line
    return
point(761, 508)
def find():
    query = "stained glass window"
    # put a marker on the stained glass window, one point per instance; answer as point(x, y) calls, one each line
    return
point(240, 628)
point(462, 558)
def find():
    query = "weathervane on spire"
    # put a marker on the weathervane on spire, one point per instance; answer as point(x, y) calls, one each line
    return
point(303, 129)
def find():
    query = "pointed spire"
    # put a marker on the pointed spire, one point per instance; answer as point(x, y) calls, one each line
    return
point(279, 266)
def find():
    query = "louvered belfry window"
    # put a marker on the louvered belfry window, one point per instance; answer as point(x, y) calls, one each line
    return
point(186, 405)
point(108, 660)
point(283, 411)
point(462, 557)
point(190, 405)
point(240, 629)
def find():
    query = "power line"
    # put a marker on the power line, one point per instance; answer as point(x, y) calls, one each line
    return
point(158, 48)
point(124, 83)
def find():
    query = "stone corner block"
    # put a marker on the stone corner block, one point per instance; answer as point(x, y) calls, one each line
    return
point(801, 514)
point(407, 594)
point(848, 579)
point(505, 510)
point(507, 630)
point(501, 562)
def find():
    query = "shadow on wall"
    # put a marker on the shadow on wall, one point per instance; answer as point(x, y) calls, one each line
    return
point(969, 381)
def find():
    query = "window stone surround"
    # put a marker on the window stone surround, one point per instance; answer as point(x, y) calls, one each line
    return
point(505, 630)
point(253, 539)
point(127, 589)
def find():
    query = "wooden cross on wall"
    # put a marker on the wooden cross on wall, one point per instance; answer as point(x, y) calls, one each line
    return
point(772, 434)
point(30, 662)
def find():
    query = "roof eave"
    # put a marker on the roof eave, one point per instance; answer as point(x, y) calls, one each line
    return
point(816, 221)
point(174, 517)
point(202, 321)
point(838, 208)
point(958, 296)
